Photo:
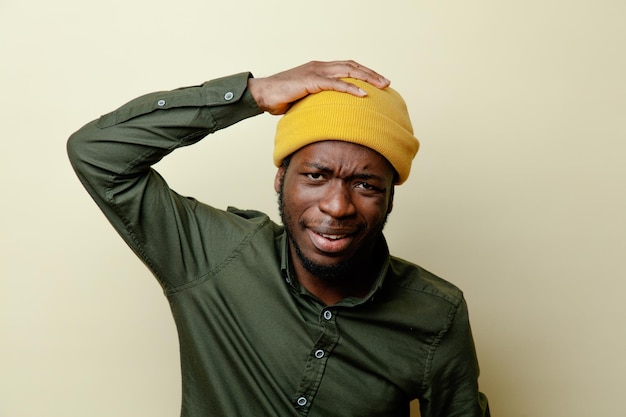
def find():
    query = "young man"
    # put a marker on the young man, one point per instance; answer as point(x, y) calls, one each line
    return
point(312, 318)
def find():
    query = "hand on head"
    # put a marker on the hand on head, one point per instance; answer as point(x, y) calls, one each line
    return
point(275, 94)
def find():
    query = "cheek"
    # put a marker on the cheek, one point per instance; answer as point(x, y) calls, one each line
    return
point(293, 205)
point(373, 210)
point(299, 197)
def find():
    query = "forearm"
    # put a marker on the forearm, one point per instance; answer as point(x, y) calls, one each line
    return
point(127, 141)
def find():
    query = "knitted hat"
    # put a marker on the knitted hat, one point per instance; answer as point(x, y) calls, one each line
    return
point(379, 121)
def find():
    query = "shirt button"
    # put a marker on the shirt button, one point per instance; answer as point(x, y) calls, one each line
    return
point(319, 354)
point(328, 315)
point(301, 401)
point(228, 96)
point(161, 103)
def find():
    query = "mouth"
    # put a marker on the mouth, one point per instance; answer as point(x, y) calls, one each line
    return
point(331, 242)
point(332, 237)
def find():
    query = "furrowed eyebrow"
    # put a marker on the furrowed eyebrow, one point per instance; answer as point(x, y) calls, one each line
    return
point(362, 176)
point(368, 177)
point(320, 167)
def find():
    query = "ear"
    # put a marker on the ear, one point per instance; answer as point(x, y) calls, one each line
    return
point(391, 194)
point(278, 179)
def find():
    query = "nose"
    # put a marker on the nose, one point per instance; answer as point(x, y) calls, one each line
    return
point(337, 200)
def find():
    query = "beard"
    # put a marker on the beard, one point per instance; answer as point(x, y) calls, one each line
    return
point(339, 272)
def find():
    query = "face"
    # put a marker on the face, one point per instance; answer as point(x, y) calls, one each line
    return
point(334, 200)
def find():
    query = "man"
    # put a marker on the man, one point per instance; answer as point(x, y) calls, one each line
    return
point(311, 319)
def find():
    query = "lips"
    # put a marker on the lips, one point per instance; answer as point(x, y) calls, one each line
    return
point(332, 237)
point(330, 242)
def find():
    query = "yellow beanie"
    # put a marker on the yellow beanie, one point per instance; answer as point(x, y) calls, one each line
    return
point(379, 121)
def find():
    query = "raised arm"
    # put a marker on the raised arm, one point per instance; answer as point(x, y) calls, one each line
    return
point(113, 156)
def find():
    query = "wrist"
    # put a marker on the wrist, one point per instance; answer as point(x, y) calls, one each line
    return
point(255, 89)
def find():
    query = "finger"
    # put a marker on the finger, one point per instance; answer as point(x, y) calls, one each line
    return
point(324, 83)
point(336, 84)
point(353, 69)
point(361, 72)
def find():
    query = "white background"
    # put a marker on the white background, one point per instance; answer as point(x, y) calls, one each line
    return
point(517, 194)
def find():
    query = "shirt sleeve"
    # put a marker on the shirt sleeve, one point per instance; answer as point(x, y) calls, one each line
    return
point(452, 377)
point(113, 155)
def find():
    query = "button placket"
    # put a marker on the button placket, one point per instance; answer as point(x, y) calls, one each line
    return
point(319, 356)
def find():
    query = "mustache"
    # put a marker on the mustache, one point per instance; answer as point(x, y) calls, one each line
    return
point(334, 227)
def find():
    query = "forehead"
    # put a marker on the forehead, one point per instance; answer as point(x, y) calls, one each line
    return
point(346, 157)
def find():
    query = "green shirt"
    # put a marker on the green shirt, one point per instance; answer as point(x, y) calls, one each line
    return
point(252, 341)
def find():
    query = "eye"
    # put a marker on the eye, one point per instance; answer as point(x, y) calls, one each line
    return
point(364, 186)
point(368, 187)
point(314, 176)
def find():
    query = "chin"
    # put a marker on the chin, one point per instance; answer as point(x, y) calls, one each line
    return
point(333, 270)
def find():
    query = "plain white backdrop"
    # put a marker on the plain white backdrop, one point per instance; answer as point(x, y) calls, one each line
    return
point(517, 194)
